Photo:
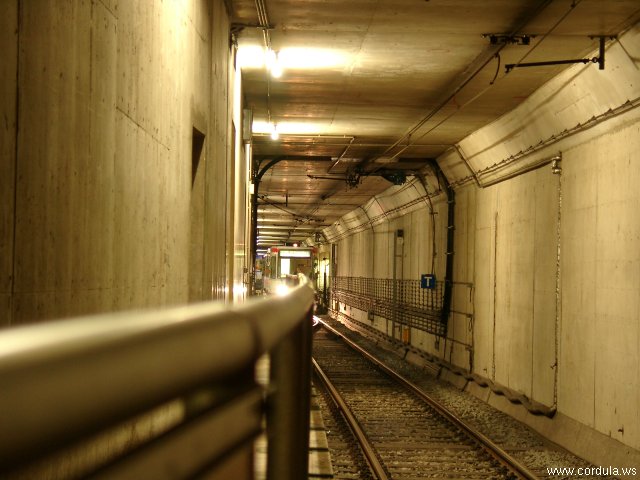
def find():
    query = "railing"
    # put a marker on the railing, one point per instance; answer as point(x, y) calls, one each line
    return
point(401, 300)
point(161, 394)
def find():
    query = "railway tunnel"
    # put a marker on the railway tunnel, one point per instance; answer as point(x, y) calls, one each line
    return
point(465, 173)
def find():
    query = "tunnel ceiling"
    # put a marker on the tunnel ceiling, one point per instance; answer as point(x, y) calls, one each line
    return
point(371, 90)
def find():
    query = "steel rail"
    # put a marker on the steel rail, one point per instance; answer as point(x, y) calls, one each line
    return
point(485, 442)
point(365, 445)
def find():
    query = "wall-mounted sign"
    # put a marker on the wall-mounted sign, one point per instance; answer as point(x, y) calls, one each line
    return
point(427, 280)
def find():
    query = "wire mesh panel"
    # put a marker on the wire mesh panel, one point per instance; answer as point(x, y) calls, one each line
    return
point(402, 301)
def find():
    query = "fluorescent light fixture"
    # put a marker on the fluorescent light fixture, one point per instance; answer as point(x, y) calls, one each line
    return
point(270, 59)
point(251, 56)
point(273, 64)
point(291, 128)
point(276, 70)
point(307, 58)
point(255, 56)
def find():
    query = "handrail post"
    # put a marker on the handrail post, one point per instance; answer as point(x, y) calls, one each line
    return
point(289, 405)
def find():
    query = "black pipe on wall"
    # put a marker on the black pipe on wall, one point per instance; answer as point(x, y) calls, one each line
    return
point(257, 176)
point(448, 280)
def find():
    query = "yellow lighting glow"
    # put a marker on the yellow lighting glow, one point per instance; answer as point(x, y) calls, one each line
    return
point(276, 71)
point(254, 56)
point(275, 135)
point(251, 56)
point(291, 128)
point(270, 59)
point(296, 57)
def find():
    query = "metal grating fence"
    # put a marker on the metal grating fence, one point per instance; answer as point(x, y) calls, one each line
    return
point(402, 301)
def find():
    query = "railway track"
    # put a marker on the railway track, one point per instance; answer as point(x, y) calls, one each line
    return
point(399, 432)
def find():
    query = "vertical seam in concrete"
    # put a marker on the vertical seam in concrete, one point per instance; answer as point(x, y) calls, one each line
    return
point(558, 296)
point(533, 295)
point(213, 277)
point(15, 172)
point(471, 254)
point(373, 252)
point(495, 288)
point(91, 32)
point(204, 286)
point(595, 313)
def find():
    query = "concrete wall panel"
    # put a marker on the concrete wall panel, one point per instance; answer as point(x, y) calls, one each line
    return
point(576, 366)
point(600, 273)
point(484, 306)
point(109, 94)
point(464, 238)
point(365, 253)
point(98, 220)
point(545, 282)
point(418, 246)
point(503, 323)
point(526, 246)
point(464, 268)
point(8, 98)
point(54, 91)
point(520, 290)
point(217, 192)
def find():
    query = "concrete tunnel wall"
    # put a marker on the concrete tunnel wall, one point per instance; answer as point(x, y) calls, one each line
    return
point(99, 102)
point(553, 258)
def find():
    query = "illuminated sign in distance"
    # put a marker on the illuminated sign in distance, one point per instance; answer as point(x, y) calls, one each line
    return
point(295, 253)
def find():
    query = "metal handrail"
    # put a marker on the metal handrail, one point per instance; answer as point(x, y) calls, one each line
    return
point(61, 381)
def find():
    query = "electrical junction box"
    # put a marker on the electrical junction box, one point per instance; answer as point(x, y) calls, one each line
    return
point(428, 280)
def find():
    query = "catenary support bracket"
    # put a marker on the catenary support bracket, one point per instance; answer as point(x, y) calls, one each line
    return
point(599, 59)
